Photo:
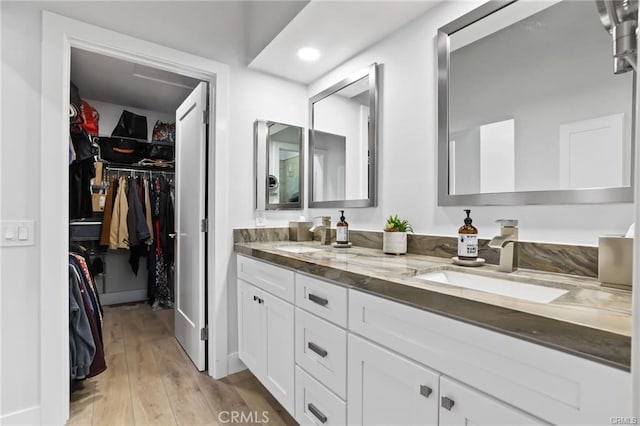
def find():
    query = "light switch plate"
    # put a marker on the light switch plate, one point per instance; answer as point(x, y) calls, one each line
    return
point(17, 233)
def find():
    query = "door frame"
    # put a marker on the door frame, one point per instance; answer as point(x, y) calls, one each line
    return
point(59, 34)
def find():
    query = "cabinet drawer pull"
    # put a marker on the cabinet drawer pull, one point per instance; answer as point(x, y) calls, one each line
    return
point(317, 349)
point(425, 391)
point(317, 299)
point(317, 413)
point(447, 403)
point(255, 298)
point(260, 300)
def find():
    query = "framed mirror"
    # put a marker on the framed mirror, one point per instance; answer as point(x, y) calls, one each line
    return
point(529, 108)
point(279, 165)
point(343, 137)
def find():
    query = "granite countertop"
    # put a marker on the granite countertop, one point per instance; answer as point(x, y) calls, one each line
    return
point(589, 320)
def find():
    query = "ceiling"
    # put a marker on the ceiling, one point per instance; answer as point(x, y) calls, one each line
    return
point(264, 34)
point(339, 29)
point(111, 80)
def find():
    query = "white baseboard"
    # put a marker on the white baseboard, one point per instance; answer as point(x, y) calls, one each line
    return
point(123, 297)
point(28, 416)
point(234, 364)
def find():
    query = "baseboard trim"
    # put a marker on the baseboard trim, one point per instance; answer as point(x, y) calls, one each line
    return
point(123, 297)
point(234, 364)
point(28, 416)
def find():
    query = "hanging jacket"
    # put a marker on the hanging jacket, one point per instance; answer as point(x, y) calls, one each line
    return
point(106, 217)
point(119, 234)
point(82, 348)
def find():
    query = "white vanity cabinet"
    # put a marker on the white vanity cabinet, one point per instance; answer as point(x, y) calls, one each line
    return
point(548, 384)
point(266, 327)
point(362, 359)
point(386, 388)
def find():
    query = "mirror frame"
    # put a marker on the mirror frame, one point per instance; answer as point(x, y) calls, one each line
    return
point(372, 199)
point(558, 196)
point(261, 169)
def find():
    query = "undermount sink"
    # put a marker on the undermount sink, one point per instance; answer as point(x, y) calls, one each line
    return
point(297, 249)
point(499, 286)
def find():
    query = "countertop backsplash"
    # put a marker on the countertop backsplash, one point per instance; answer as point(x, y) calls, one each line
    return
point(548, 257)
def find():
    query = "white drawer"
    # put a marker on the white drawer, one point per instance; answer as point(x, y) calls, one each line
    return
point(274, 279)
point(552, 385)
point(315, 404)
point(321, 349)
point(328, 301)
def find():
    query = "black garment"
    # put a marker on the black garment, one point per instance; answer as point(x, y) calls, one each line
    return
point(81, 142)
point(137, 224)
point(80, 175)
point(167, 220)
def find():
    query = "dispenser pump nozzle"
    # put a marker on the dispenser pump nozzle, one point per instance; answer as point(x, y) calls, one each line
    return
point(468, 220)
point(341, 215)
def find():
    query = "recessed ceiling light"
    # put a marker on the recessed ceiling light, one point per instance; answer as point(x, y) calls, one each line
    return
point(309, 54)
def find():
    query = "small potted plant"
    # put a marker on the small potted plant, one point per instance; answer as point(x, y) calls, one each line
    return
point(394, 239)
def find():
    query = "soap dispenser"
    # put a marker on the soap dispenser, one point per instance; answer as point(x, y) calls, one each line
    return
point(468, 239)
point(342, 230)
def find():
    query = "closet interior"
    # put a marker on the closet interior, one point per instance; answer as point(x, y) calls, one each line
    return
point(121, 194)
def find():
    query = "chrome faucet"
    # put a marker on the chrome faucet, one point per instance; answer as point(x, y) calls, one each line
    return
point(325, 226)
point(507, 242)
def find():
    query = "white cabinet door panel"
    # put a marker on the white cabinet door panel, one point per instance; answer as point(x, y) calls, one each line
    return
point(277, 321)
point(463, 406)
point(388, 389)
point(250, 336)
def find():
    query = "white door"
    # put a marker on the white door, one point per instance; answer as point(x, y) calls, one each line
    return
point(463, 406)
point(191, 138)
point(388, 389)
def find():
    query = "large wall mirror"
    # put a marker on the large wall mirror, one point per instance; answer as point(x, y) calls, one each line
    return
point(342, 142)
point(529, 108)
point(279, 165)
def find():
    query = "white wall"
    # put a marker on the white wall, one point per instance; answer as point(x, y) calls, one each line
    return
point(408, 149)
point(253, 95)
point(110, 114)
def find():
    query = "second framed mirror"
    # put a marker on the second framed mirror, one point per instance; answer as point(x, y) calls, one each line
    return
point(279, 165)
point(343, 137)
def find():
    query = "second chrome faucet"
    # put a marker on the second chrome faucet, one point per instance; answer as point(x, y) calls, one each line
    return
point(506, 243)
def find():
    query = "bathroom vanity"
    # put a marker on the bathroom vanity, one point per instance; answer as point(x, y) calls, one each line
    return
point(356, 337)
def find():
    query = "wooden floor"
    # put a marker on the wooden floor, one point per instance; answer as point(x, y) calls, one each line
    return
point(151, 381)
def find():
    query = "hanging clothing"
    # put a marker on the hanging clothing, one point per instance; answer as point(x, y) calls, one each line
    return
point(147, 211)
point(82, 349)
point(105, 231)
point(89, 302)
point(80, 175)
point(119, 233)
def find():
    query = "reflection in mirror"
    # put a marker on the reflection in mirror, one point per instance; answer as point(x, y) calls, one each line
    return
point(532, 107)
point(278, 153)
point(342, 143)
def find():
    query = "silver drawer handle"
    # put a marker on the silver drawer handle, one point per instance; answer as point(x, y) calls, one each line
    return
point(447, 403)
point(317, 349)
point(425, 391)
point(317, 299)
point(317, 413)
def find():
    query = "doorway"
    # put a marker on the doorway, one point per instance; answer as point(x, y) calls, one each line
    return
point(60, 34)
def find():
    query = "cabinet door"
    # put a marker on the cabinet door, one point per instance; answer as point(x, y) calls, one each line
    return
point(250, 335)
point(278, 326)
point(388, 389)
point(462, 406)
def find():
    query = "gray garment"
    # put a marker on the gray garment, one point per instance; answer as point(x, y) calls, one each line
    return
point(81, 345)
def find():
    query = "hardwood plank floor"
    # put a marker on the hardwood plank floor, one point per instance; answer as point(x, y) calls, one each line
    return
point(151, 381)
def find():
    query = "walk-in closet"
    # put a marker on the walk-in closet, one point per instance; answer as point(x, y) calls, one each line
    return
point(124, 217)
